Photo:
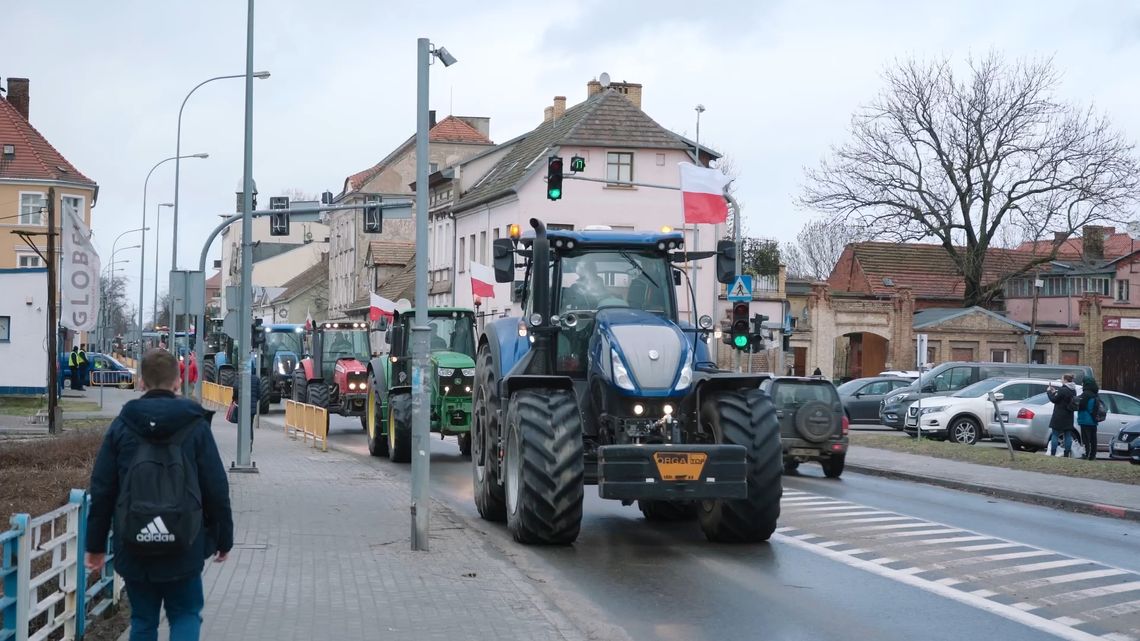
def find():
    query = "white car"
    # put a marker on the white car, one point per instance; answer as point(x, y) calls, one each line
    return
point(1027, 422)
point(964, 416)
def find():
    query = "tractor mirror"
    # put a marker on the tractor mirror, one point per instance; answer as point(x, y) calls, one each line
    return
point(725, 261)
point(676, 278)
point(517, 291)
point(382, 324)
point(388, 336)
point(395, 336)
point(504, 251)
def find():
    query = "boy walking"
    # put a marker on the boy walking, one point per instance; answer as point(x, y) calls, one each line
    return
point(160, 478)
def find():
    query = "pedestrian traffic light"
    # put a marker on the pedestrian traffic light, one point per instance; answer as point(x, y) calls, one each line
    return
point(577, 164)
point(373, 216)
point(740, 325)
point(279, 219)
point(257, 336)
point(554, 178)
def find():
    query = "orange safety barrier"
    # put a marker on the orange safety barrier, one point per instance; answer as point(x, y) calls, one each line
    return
point(307, 421)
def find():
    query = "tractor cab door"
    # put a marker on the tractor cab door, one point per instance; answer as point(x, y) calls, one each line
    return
point(401, 362)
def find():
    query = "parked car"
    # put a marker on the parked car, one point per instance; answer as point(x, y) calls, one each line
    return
point(1126, 443)
point(1028, 423)
point(910, 375)
point(102, 370)
point(963, 417)
point(813, 426)
point(862, 397)
point(947, 378)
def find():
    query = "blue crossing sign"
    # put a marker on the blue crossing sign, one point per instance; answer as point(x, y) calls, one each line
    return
point(741, 288)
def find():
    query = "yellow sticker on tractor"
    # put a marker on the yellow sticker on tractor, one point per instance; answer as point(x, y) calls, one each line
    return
point(680, 466)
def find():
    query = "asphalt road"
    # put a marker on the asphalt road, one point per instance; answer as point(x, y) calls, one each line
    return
point(858, 558)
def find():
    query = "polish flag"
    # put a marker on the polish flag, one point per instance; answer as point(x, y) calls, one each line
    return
point(308, 319)
point(702, 189)
point(482, 280)
point(380, 307)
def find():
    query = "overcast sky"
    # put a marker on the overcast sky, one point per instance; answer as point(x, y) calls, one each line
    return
point(779, 81)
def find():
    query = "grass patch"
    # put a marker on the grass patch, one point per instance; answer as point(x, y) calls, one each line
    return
point(29, 405)
point(1101, 470)
point(36, 475)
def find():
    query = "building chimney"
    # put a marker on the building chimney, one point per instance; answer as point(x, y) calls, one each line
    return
point(431, 119)
point(630, 90)
point(593, 88)
point(1060, 236)
point(18, 95)
point(548, 114)
point(559, 106)
point(1092, 242)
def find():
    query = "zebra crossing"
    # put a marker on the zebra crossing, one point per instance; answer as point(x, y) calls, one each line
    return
point(1067, 596)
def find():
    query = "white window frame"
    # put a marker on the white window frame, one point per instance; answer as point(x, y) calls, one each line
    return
point(1122, 287)
point(462, 254)
point(82, 202)
point(996, 352)
point(614, 159)
point(41, 213)
point(21, 254)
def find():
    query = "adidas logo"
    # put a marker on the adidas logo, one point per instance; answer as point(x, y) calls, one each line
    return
point(155, 532)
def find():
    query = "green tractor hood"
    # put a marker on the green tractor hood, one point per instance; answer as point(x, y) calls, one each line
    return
point(452, 360)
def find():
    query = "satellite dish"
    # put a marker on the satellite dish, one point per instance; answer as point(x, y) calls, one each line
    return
point(403, 305)
point(604, 79)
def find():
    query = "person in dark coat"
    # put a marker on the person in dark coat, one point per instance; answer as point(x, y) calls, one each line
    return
point(175, 579)
point(1061, 423)
point(1086, 417)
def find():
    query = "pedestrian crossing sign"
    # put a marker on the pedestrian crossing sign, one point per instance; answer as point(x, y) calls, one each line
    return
point(741, 289)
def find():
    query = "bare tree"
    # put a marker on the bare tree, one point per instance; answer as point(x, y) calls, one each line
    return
point(956, 160)
point(818, 247)
point(298, 194)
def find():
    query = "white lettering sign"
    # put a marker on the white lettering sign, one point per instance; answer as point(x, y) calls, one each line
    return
point(80, 278)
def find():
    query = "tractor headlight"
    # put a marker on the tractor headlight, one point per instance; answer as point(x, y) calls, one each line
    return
point(685, 378)
point(446, 372)
point(469, 372)
point(281, 368)
point(621, 375)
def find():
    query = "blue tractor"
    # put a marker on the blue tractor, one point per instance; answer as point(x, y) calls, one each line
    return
point(600, 383)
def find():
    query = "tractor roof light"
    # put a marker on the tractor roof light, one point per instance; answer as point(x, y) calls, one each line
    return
point(665, 229)
point(514, 232)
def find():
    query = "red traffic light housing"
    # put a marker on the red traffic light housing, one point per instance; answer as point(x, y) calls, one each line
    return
point(740, 325)
point(554, 178)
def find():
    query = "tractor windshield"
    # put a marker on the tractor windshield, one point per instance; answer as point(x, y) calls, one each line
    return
point(345, 343)
point(616, 278)
point(454, 333)
point(283, 342)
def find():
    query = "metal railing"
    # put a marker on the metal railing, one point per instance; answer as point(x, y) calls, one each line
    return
point(307, 421)
point(46, 588)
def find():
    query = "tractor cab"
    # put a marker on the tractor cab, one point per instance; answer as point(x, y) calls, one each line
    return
point(332, 342)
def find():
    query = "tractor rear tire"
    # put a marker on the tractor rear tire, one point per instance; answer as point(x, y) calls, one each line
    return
point(464, 444)
point(209, 372)
point(745, 418)
point(668, 511)
point(544, 467)
point(377, 442)
point(227, 376)
point(300, 387)
point(489, 497)
point(400, 427)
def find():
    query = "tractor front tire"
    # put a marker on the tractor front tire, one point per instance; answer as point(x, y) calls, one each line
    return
point(209, 372)
point(489, 498)
point(544, 467)
point(263, 401)
point(668, 511)
point(318, 395)
point(374, 418)
point(745, 418)
point(400, 427)
point(300, 387)
point(227, 377)
point(464, 444)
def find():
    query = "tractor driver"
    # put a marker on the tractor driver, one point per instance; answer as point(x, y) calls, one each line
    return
point(589, 290)
point(341, 344)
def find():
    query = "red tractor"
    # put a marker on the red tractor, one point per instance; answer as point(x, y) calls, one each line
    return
point(334, 372)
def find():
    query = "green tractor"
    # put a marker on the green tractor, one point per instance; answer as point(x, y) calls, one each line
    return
point(452, 375)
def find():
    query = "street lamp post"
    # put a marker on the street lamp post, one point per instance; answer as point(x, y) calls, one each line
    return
point(142, 263)
point(143, 229)
point(178, 165)
point(421, 445)
point(157, 252)
point(110, 271)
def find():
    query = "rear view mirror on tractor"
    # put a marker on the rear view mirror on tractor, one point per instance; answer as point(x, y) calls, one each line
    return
point(725, 261)
point(504, 250)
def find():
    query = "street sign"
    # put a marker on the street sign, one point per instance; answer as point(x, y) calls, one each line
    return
point(187, 291)
point(920, 343)
point(230, 325)
point(232, 294)
point(1030, 343)
point(741, 289)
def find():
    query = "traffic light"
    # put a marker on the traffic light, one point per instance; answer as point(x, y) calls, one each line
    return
point(373, 216)
point(740, 325)
point(258, 336)
point(279, 219)
point(554, 178)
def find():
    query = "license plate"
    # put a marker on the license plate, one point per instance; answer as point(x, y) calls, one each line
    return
point(912, 422)
point(680, 466)
point(1120, 447)
point(802, 451)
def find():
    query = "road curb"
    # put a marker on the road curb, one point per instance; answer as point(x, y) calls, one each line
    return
point(1088, 507)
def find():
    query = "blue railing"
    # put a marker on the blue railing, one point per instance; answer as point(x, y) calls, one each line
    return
point(56, 598)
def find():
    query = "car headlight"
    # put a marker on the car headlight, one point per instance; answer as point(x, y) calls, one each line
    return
point(621, 375)
point(931, 410)
point(469, 372)
point(444, 372)
point(686, 377)
point(898, 398)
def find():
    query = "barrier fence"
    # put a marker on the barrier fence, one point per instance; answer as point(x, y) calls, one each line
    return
point(215, 394)
point(47, 591)
point(308, 421)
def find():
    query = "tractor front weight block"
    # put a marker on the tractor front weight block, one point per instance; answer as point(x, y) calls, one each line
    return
point(672, 472)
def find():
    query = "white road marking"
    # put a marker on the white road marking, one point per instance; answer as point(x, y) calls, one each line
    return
point(881, 528)
point(952, 539)
point(1116, 636)
point(898, 535)
point(1063, 578)
point(1090, 593)
point(878, 519)
point(988, 546)
point(1114, 610)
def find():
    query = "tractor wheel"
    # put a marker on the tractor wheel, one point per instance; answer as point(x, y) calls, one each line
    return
point(263, 401)
point(544, 467)
point(209, 372)
point(745, 418)
point(465, 444)
point(227, 377)
point(377, 442)
point(489, 497)
point(300, 387)
point(318, 395)
point(400, 427)
point(668, 511)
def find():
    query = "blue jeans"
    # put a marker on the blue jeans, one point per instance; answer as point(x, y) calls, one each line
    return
point(1054, 436)
point(183, 600)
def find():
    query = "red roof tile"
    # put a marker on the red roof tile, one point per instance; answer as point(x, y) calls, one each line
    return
point(927, 269)
point(35, 158)
point(450, 129)
point(1116, 244)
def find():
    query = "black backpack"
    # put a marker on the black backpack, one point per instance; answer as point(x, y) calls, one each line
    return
point(1101, 411)
point(159, 508)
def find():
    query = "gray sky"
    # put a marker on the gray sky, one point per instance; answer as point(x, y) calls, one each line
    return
point(779, 81)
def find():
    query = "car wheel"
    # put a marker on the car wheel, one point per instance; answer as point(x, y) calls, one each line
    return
point(791, 465)
point(964, 430)
point(833, 466)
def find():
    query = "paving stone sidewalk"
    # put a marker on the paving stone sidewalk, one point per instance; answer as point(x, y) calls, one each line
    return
point(322, 552)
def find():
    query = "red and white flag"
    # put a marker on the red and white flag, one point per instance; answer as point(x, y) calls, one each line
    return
point(308, 319)
point(482, 280)
point(702, 189)
point(380, 307)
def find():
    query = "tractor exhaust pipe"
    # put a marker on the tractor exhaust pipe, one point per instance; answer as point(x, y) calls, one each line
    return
point(543, 361)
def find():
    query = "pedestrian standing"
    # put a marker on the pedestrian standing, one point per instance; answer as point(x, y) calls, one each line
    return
point(1061, 423)
point(1086, 416)
point(73, 365)
point(83, 374)
point(170, 505)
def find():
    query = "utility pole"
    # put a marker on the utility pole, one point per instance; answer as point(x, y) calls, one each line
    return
point(245, 425)
point(736, 240)
point(53, 321)
point(421, 444)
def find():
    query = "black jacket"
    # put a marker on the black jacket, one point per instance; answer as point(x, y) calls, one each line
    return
point(1062, 419)
point(160, 413)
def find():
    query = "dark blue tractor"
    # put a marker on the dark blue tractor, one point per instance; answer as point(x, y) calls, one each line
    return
point(600, 383)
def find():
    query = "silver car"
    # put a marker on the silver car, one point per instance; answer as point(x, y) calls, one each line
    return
point(1027, 422)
